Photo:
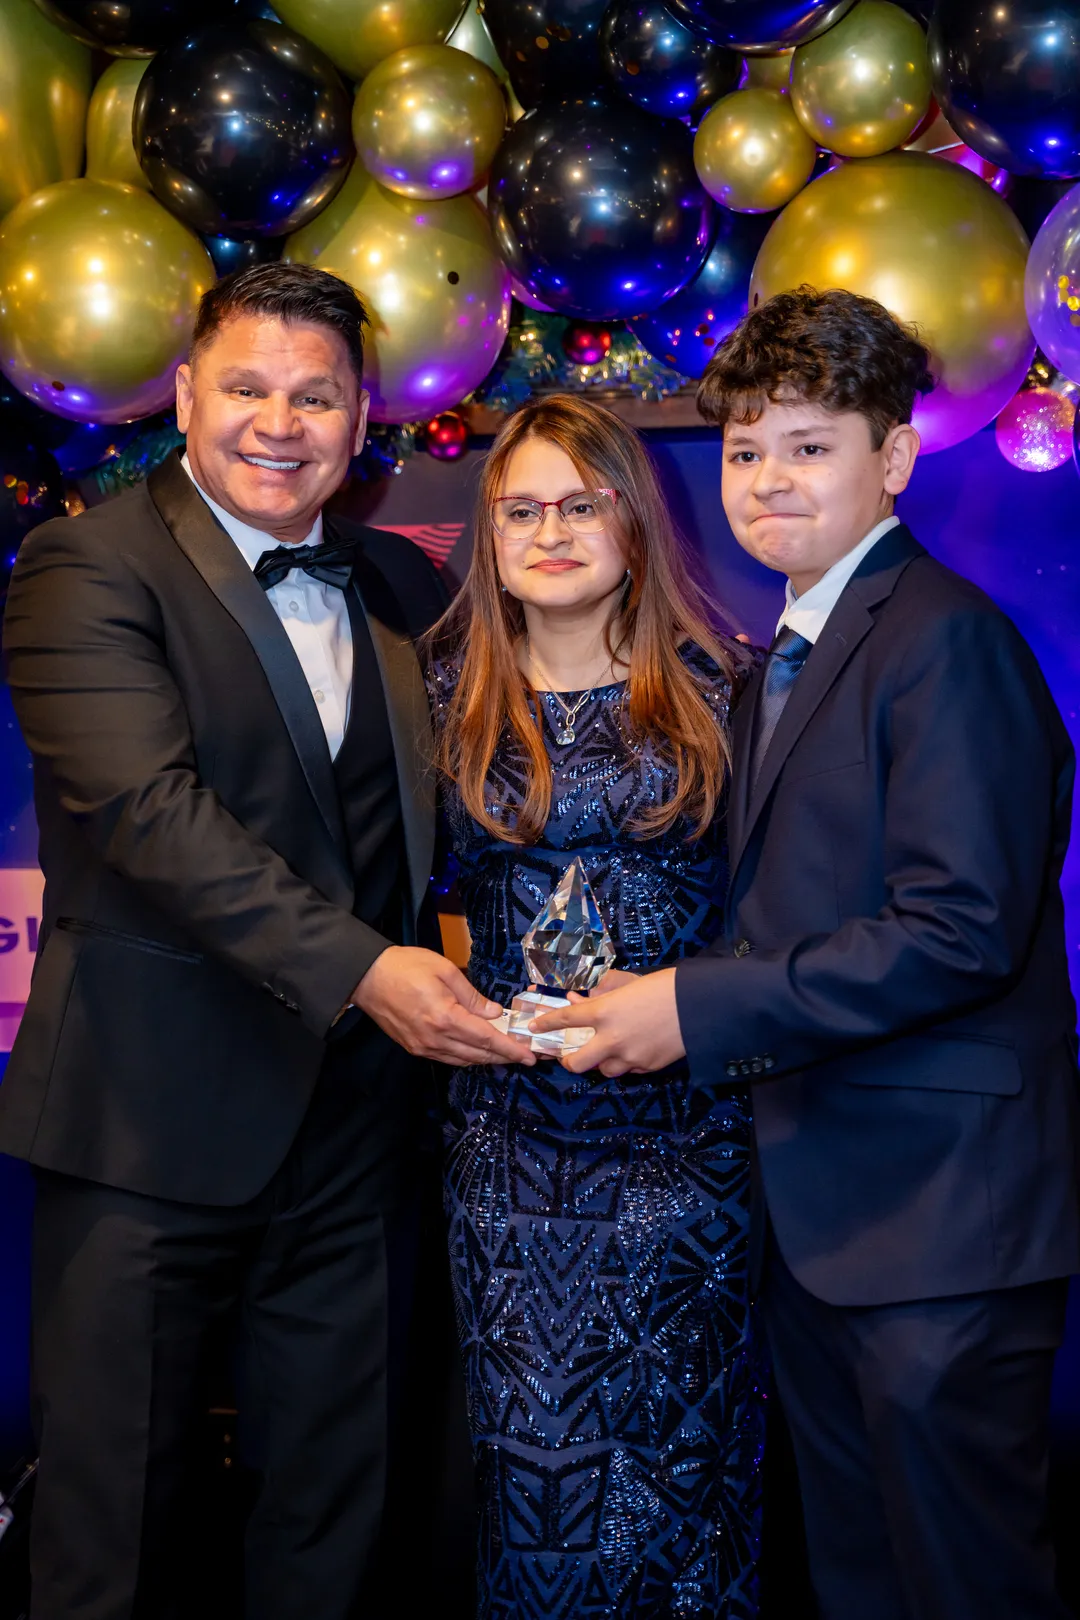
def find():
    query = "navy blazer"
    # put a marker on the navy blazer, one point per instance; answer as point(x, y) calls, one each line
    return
point(893, 978)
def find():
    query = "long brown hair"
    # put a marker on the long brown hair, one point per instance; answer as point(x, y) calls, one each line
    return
point(661, 610)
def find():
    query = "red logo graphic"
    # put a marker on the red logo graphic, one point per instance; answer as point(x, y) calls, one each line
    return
point(436, 539)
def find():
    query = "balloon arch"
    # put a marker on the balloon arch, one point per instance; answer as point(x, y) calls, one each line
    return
point(528, 193)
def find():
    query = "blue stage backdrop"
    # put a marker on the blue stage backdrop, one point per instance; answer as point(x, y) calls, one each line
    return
point(1016, 534)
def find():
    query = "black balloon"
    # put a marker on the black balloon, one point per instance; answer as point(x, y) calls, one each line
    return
point(243, 130)
point(550, 48)
point(662, 63)
point(1007, 77)
point(134, 27)
point(761, 25)
point(31, 489)
point(230, 253)
point(597, 208)
point(684, 332)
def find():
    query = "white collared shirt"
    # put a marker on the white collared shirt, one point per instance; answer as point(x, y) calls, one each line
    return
point(806, 614)
point(315, 618)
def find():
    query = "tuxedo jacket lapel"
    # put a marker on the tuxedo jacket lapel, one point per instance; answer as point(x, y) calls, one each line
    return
point(850, 620)
point(212, 553)
point(742, 726)
point(409, 717)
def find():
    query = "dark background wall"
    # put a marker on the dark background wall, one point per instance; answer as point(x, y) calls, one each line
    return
point(1016, 534)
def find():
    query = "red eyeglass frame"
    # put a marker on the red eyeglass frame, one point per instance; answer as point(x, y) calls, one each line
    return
point(543, 505)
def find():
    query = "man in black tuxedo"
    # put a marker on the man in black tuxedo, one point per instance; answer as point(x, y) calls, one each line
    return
point(893, 984)
point(227, 1046)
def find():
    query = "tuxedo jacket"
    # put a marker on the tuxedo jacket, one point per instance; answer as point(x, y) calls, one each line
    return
point(893, 977)
point(199, 934)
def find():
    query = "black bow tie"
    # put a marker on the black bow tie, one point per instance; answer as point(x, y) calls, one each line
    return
point(331, 563)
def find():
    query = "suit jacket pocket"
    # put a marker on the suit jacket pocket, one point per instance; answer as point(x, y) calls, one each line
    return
point(135, 942)
point(935, 1063)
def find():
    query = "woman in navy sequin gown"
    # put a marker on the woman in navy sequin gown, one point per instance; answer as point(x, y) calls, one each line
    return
point(598, 1227)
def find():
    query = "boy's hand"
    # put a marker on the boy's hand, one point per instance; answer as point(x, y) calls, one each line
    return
point(636, 1024)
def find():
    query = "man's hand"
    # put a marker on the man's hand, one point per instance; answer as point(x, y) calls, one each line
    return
point(429, 1007)
point(636, 1024)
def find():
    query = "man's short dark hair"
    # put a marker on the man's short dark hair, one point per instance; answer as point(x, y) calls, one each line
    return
point(294, 293)
point(835, 349)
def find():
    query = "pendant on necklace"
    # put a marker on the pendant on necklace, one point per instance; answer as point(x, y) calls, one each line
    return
point(565, 737)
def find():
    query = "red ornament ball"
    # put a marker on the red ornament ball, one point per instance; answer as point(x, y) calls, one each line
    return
point(585, 343)
point(446, 436)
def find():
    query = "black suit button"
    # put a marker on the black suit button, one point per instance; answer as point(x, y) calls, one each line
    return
point(744, 1068)
point(757, 1066)
point(732, 1071)
point(769, 1062)
point(743, 947)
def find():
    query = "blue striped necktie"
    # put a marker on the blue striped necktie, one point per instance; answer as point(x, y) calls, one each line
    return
point(786, 657)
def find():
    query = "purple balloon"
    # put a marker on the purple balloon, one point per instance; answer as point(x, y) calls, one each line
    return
point(1052, 286)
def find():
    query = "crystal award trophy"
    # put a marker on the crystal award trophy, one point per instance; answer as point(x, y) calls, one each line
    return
point(567, 948)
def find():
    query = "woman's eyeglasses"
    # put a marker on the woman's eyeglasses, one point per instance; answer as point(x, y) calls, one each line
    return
point(589, 511)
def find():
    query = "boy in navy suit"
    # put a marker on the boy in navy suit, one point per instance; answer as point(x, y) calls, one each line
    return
point(893, 984)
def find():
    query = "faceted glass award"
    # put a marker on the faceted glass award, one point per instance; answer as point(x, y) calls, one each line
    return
point(567, 948)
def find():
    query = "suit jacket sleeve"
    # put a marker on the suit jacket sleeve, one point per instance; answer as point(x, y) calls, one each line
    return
point(978, 760)
point(107, 726)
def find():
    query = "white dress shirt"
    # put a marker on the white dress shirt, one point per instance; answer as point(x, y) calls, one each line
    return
point(315, 618)
point(806, 614)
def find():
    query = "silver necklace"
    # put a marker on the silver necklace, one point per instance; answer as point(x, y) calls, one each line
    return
point(567, 734)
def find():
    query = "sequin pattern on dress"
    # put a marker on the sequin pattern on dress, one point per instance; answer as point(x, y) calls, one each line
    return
point(598, 1230)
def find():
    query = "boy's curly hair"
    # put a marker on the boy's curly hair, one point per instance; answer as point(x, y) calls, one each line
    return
point(835, 349)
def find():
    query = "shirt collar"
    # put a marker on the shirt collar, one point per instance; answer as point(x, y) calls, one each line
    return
point(251, 543)
point(807, 614)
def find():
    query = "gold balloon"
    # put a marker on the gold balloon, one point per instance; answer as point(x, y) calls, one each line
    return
point(769, 72)
point(358, 33)
point(427, 121)
point(936, 246)
point(751, 153)
point(473, 37)
point(98, 290)
point(864, 86)
point(44, 89)
point(436, 290)
point(110, 153)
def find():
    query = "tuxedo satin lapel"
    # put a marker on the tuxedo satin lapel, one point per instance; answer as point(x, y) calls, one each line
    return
point(410, 721)
point(742, 726)
point(212, 553)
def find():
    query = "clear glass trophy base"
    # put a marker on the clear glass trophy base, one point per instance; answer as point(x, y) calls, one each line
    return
point(530, 1004)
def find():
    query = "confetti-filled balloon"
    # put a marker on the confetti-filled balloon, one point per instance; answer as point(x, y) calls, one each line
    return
point(428, 120)
point(135, 27)
point(110, 149)
point(355, 34)
point(597, 209)
point(436, 291)
point(1052, 286)
point(1007, 77)
point(44, 90)
point(1035, 430)
point(662, 63)
point(751, 152)
point(937, 247)
point(762, 25)
point(551, 48)
point(685, 331)
point(98, 291)
point(863, 87)
point(243, 130)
